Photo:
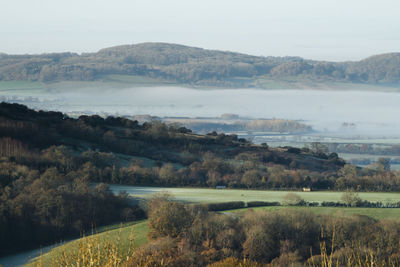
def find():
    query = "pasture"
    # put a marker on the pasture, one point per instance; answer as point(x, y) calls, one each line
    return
point(208, 195)
point(377, 213)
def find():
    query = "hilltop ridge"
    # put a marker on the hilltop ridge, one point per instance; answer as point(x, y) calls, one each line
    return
point(195, 66)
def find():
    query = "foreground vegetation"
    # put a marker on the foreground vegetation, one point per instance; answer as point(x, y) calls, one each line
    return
point(180, 235)
point(120, 241)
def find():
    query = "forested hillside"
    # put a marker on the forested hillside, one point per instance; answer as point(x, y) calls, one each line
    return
point(120, 150)
point(196, 66)
point(54, 170)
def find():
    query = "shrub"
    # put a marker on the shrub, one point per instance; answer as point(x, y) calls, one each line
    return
point(251, 204)
point(292, 199)
point(332, 204)
point(161, 252)
point(168, 219)
point(233, 262)
point(351, 199)
point(224, 206)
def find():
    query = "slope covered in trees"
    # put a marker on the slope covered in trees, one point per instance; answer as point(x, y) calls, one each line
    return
point(50, 162)
point(190, 65)
point(118, 150)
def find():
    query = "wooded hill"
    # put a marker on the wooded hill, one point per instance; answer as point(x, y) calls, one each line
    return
point(33, 130)
point(195, 66)
point(50, 162)
point(119, 150)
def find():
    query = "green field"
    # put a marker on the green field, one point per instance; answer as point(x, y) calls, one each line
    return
point(377, 213)
point(139, 230)
point(206, 195)
point(104, 83)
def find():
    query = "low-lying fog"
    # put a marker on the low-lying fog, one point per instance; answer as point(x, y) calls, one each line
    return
point(371, 112)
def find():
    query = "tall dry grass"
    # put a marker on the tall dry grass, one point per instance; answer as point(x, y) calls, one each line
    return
point(91, 251)
point(356, 255)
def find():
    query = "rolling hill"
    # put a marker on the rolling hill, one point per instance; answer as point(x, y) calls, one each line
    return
point(195, 66)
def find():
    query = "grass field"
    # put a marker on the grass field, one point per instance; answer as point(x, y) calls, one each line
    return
point(377, 213)
point(104, 83)
point(199, 195)
point(139, 232)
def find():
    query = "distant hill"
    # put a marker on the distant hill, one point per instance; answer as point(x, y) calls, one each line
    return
point(195, 66)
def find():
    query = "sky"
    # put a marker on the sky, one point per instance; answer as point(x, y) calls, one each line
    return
point(334, 30)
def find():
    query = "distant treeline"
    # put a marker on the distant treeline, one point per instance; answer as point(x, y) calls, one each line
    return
point(369, 149)
point(272, 125)
point(192, 66)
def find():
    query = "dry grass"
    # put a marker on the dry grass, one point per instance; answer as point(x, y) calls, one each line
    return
point(95, 250)
point(109, 247)
point(354, 256)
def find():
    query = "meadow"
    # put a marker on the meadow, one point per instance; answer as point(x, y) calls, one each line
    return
point(122, 236)
point(377, 213)
point(207, 195)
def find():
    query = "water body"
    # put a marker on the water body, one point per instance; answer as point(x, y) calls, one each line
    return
point(326, 110)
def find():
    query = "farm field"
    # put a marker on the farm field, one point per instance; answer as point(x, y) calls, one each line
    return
point(207, 195)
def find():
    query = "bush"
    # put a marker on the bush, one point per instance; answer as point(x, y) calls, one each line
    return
point(262, 204)
point(224, 206)
point(332, 204)
point(351, 199)
point(233, 262)
point(292, 199)
point(167, 218)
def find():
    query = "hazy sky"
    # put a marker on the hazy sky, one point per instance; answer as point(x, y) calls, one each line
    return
point(316, 29)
